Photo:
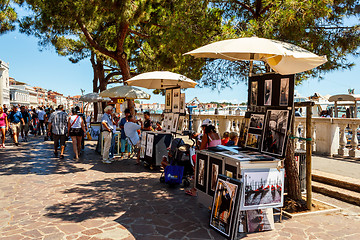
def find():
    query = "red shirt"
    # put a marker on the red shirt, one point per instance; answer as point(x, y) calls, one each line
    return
point(224, 141)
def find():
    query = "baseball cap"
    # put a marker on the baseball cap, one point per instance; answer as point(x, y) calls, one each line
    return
point(206, 122)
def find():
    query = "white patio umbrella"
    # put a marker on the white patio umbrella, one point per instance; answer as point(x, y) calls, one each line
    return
point(161, 80)
point(125, 91)
point(93, 97)
point(282, 57)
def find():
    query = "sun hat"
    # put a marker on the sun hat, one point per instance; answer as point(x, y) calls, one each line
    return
point(206, 122)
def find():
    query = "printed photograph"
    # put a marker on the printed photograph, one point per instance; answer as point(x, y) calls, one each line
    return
point(262, 189)
point(260, 220)
point(176, 100)
point(214, 175)
point(181, 125)
point(175, 122)
point(182, 103)
point(284, 92)
point(243, 132)
point(201, 173)
point(168, 97)
point(267, 92)
point(256, 121)
point(254, 93)
point(274, 134)
point(253, 140)
point(222, 211)
point(149, 145)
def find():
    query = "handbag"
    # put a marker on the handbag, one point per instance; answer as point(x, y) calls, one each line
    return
point(174, 174)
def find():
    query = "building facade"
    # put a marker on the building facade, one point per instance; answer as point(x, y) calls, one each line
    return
point(4, 84)
point(19, 95)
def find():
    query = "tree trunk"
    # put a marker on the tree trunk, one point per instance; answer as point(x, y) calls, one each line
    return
point(95, 84)
point(292, 175)
point(125, 72)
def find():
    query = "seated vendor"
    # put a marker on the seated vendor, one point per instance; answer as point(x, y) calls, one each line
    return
point(147, 122)
point(131, 131)
point(210, 137)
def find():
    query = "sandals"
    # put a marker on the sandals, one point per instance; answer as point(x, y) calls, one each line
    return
point(191, 192)
point(61, 156)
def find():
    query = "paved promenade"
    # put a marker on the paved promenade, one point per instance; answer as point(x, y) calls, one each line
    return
point(42, 197)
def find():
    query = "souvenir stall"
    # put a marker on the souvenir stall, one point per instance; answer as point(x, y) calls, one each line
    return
point(154, 144)
point(243, 184)
point(119, 95)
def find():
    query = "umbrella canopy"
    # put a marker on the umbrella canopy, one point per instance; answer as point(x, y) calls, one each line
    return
point(125, 91)
point(161, 80)
point(93, 97)
point(282, 57)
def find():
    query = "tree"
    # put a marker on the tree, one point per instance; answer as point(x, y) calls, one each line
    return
point(8, 16)
point(122, 30)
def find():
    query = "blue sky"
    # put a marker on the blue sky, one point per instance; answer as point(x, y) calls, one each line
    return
point(48, 70)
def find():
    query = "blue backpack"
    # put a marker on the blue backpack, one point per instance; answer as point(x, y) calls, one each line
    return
point(174, 174)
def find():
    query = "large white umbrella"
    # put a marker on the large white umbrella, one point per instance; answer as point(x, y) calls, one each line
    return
point(282, 57)
point(93, 97)
point(125, 91)
point(161, 80)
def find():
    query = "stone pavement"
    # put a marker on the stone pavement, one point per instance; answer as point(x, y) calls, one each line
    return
point(42, 197)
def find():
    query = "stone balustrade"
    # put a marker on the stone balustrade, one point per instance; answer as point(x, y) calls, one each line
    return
point(330, 136)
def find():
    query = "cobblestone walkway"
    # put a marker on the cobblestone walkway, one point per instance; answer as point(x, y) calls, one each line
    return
point(42, 197)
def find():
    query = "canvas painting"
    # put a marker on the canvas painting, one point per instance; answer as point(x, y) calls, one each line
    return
point(267, 92)
point(201, 172)
point(182, 103)
point(149, 145)
point(275, 130)
point(176, 100)
point(223, 215)
point(175, 121)
point(263, 188)
point(260, 220)
point(256, 121)
point(284, 92)
point(254, 93)
point(214, 175)
point(253, 140)
point(168, 98)
point(181, 125)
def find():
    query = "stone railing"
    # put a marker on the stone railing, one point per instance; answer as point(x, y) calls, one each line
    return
point(330, 136)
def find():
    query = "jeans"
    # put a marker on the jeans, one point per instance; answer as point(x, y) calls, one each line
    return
point(123, 144)
point(112, 148)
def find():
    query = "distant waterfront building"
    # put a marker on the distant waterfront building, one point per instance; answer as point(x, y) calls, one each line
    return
point(4, 84)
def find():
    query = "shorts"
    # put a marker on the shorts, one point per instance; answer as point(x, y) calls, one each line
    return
point(62, 139)
point(15, 127)
point(24, 127)
point(76, 132)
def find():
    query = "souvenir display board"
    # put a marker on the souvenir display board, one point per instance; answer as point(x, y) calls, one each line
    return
point(224, 211)
point(156, 147)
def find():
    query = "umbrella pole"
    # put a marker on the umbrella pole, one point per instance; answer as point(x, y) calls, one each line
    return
point(251, 68)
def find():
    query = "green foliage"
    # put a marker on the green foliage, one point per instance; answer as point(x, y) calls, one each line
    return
point(8, 16)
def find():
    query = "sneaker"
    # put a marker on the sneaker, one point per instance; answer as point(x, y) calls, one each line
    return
point(107, 161)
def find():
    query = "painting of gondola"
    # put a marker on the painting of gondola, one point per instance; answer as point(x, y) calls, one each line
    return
point(262, 188)
point(275, 130)
point(260, 220)
point(224, 211)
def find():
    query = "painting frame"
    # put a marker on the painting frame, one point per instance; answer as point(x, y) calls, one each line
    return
point(181, 124)
point(175, 122)
point(182, 103)
point(254, 90)
point(168, 99)
point(284, 91)
point(215, 168)
point(268, 92)
point(176, 95)
point(255, 120)
point(201, 171)
point(225, 207)
point(250, 137)
point(262, 188)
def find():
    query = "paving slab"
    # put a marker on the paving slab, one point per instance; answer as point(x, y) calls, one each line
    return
point(43, 197)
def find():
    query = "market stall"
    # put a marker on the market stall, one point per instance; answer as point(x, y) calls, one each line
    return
point(154, 144)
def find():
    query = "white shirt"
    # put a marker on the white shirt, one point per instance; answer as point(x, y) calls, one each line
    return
point(41, 114)
point(77, 124)
point(130, 129)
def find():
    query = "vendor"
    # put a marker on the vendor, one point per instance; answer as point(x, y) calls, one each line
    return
point(210, 137)
point(147, 122)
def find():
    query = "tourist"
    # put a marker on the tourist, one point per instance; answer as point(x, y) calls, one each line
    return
point(76, 129)
point(123, 141)
point(115, 120)
point(210, 137)
point(57, 125)
point(24, 128)
point(4, 126)
point(15, 119)
point(35, 121)
point(147, 122)
point(82, 115)
point(234, 138)
point(131, 131)
point(41, 115)
point(225, 138)
point(107, 130)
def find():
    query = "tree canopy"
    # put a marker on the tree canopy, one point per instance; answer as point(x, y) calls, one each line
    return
point(8, 16)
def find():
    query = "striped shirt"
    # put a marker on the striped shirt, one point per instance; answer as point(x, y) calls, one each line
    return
point(59, 120)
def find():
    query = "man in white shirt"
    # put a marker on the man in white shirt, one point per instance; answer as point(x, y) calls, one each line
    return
point(131, 131)
point(107, 129)
point(41, 115)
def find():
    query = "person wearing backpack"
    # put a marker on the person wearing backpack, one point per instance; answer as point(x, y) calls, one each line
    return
point(25, 127)
point(76, 129)
point(15, 119)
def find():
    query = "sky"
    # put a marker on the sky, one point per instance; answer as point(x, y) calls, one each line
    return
point(40, 67)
